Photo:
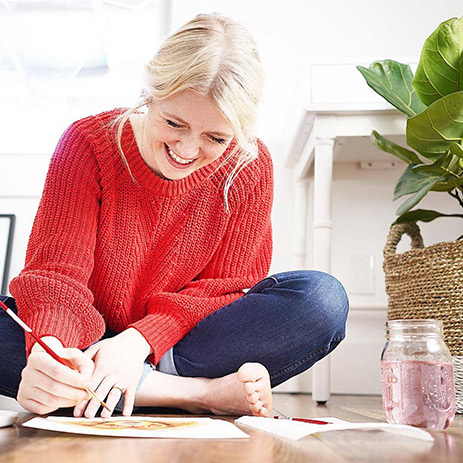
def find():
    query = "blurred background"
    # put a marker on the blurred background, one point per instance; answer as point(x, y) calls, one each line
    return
point(61, 60)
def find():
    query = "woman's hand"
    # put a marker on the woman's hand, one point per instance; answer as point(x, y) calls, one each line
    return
point(118, 364)
point(47, 385)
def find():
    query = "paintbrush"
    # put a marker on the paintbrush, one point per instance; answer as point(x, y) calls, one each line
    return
point(48, 349)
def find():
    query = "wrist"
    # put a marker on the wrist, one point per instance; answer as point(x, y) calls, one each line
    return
point(138, 341)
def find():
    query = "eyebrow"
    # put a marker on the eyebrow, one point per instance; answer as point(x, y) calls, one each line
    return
point(213, 132)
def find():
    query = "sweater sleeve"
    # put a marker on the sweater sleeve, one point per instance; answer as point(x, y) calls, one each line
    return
point(242, 259)
point(51, 291)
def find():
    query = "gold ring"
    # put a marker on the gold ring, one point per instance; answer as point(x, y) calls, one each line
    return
point(120, 388)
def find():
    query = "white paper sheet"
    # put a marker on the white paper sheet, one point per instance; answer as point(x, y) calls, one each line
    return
point(295, 430)
point(141, 426)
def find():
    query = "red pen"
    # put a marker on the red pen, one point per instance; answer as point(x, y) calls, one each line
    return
point(47, 349)
point(303, 420)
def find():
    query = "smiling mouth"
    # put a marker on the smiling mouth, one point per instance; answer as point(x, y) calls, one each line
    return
point(178, 159)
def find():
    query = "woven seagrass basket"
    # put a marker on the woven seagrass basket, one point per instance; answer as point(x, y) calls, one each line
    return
point(427, 282)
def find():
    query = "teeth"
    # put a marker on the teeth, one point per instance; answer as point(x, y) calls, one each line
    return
point(177, 158)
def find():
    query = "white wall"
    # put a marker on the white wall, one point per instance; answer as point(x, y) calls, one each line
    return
point(291, 33)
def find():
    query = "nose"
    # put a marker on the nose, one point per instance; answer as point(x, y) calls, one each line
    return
point(188, 146)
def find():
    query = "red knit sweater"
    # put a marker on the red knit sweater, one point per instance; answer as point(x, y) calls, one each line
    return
point(153, 254)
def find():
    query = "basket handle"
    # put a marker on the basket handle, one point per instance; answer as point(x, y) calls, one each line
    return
point(395, 234)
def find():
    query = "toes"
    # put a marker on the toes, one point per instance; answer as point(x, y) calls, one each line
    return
point(253, 398)
point(250, 387)
point(257, 407)
point(251, 372)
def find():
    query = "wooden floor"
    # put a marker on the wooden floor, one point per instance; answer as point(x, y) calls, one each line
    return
point(24, 445)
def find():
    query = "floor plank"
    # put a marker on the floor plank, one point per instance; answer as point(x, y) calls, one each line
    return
point(23, 445)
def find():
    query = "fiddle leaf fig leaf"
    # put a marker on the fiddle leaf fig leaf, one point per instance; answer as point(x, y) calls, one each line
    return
point(433, 131)
point(389, 146)
point(424, 215)
point(447, 163)
point(418, 196)
point(393, 81)
point(412, 182)
point(440, 70)
point(457, 150)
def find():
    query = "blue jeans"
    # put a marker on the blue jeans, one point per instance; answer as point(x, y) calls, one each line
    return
point(286, 322)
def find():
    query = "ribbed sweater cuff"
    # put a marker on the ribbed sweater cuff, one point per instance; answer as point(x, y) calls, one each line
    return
point(161, 331)
point(75, 322)
point(67, 328)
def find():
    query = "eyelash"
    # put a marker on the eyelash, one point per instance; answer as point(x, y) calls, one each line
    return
point(220, 141)
point(172, 124)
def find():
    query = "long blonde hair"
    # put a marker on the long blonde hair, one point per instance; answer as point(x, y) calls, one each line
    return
point(212, 55)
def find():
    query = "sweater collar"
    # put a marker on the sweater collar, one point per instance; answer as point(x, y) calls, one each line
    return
point(149, 180)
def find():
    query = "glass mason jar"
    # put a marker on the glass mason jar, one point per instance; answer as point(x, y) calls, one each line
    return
point(417, 375)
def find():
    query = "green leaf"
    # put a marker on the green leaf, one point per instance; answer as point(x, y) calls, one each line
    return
point(390, 147)
point(424, 215)
point(411, 182)
point(456, 149)
point(418, 196)
point(440, 70)
point(433, 131)
point(448, 185)
point(393, 81)
point(446, 164)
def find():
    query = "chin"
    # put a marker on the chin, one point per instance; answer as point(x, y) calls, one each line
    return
point(176, 175)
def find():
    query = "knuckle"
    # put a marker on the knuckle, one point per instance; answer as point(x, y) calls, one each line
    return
point(54, 371)
point(80, 396)
point(53, 388)
point(25, 372)
point(43, 409)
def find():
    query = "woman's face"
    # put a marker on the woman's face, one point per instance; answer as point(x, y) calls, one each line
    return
point(184, 133)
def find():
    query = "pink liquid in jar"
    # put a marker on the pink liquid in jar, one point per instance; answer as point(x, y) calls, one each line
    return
point(418, 393)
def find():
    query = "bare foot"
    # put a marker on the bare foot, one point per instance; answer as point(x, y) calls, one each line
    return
point(245, 392)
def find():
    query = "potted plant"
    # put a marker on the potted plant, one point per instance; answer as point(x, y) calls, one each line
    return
point(427, 282)
point(433, 103)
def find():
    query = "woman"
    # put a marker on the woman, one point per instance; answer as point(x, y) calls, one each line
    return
point(150, 228)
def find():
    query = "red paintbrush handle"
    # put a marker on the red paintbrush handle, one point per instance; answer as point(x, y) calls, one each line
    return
point(302, 420)
point(50, 351)
point(29, 330)
point(47, 349)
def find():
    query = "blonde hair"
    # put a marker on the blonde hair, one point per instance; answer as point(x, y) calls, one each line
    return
point(212, 55)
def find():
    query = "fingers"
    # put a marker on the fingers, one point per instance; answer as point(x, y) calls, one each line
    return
point(89, 407)
point(47, 385)
point(129, 401)
point(111, 401)
point(44, 363)
point(41, 394)
point(34, 406)
point(79, 361)
point(102, 392)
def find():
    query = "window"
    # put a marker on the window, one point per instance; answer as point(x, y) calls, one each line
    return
point(65, 59)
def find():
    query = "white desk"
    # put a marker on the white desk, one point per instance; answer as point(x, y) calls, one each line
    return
point(318, 143)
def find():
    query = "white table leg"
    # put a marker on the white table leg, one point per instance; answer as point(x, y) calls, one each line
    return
point(322, 227)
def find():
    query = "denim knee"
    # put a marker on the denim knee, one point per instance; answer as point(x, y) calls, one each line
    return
point(331, 300)
point(322, 298)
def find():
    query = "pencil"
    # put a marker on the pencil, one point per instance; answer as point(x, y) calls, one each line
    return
point(47, 349)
